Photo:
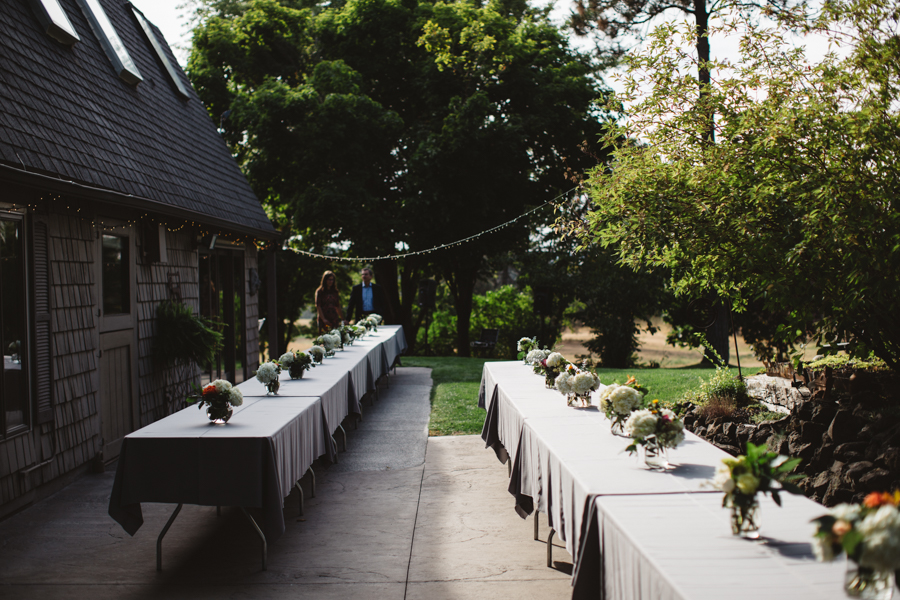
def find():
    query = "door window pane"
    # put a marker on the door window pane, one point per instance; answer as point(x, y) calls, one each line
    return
point(116, 289)
point(12, 325)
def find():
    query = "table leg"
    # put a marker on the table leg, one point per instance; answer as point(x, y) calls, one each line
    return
point(536, 513)
point(297, 485)
point(260, 533)
point(344, 433)
point(313, 473)
point(334, 441)
point(162, 534)
point(550, 548)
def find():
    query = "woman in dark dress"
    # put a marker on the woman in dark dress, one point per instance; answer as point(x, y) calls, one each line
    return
point(328, 303)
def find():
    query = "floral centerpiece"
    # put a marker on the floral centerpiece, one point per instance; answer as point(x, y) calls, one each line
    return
point(377, 318)
point(317, 353)
point(338, 337)
point(526, 345)
point(369, 323)
point(267, 374)
point(296, 363)
point(576, 385)
point(348, 334)
point(328, 342)
point(869, 534)
point(742, 477)
point(618, 402)
point(655, 429)
point(553, 364)
point(219, 397)
point(536, 358)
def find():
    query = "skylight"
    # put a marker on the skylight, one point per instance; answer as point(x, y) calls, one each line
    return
point(161, 53)
point(54, 21)
point(110, 41)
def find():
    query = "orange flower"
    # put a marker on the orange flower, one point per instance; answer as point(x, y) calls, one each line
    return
point(876, 499)
point(631, 380)
point(841, 528)
point(210, 389)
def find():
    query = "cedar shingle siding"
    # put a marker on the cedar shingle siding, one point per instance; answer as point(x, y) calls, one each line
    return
point(79, 148)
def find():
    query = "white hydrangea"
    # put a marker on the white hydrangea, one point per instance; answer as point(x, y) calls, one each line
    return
point(555, 359)
point(584, 382)
point(286, 359)
point(377, 318)
point(335, 339)
point(267, 373)
point(317, 353)
point(222, 385)
point(237, 397)
point(641, 424)
point(523, 344)
point(564, 383)
point(624, 399)
point(846, 512)
point(604, 396)
point(881, 535)
point(535, 356)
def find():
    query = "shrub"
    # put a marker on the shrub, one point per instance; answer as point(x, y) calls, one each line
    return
point(720, 387)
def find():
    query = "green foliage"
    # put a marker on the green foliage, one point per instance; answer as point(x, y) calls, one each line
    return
point(183, 337)
point(838, 361)
point(506, 308)
point(721, 386)
point(794, 203)
point(361, 123)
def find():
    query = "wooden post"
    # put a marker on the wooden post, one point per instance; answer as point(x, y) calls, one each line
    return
point(272, 304)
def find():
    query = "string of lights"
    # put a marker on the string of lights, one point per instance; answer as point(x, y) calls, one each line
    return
point(369, 259)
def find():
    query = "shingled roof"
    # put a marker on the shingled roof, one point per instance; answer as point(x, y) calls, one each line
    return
point(67, 116)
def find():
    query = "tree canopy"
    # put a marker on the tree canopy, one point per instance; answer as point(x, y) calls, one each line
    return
point(794, 206)
point(373, 125)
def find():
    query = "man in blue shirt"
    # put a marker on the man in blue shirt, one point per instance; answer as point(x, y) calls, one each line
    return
point(367, 298)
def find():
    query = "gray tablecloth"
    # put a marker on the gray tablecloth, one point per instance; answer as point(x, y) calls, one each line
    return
point(252, 461)
point(680, 547)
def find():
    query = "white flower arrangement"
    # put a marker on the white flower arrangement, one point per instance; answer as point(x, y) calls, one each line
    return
point(535, 357)
point(555, 360)
point(654, 425)
point(377, 318)
point(268, 372)
point(585, 382)
point(219, 397)
point(620, 400)
point(317, 353)
point(286, 359)
point(576, 382)
point(526, 344)
point(565, 383)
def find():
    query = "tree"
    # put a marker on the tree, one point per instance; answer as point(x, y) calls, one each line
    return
point(795, 205)
point(374, 124)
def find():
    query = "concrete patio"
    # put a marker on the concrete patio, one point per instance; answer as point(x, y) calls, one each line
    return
point(400, 516)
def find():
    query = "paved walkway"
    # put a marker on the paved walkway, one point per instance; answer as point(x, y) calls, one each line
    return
point(401, 516)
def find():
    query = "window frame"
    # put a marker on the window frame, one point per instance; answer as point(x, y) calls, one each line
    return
point(29, 353)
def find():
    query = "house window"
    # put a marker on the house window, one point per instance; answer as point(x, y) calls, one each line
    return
point(116, 284)
point(14, 391)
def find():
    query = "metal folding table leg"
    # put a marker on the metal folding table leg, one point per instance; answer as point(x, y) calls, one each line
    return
point(344, 434)
point(162, 534)
point(297, 485)
point(313, 473)
point(550, 548)
point(261, 535)
point(536, 513)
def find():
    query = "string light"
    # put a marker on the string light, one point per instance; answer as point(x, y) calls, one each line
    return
point(435, 248)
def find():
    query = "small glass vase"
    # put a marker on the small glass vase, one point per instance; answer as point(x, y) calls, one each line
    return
point(654, 456)
point(329, 353)
point(617, 427)
point(550, 378)
point(272, 387)
point(296, 371)
point(863, 582)
point(219, 414)
point(745, 520)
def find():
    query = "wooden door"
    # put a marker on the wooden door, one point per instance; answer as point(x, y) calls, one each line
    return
point(117, 373)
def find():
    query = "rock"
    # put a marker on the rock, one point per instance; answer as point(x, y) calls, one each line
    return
point(876, 480)
point(889, 458)
point(805, 451)
point(836, 495)
point(854, 473)
point(744, 432)
point(689, 419)
point(760, 436)
point(713, 431)
point(729, 430)
point(850, 451)
point(823, 457)
point(844, 427)
point(821, 482)
point(823, 412)
point(700, 431)
point(730, 449)
point(810, 431)
point(837, 466)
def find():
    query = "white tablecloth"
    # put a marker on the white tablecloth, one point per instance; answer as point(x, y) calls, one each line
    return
point(680, 547)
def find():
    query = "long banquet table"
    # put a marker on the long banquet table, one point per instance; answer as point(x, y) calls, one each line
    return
point(269, 443)
point(634, 533)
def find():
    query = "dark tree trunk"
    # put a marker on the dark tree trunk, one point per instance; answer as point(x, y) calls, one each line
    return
point(400, 281)
point(718, 336)
point(462, 287)
point(701, 14)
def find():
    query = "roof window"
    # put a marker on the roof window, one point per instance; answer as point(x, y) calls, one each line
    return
point(109, 39)
point(54, 21)
point(161, 53)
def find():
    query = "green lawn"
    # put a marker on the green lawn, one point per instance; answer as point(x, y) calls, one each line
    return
point(454, 397)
